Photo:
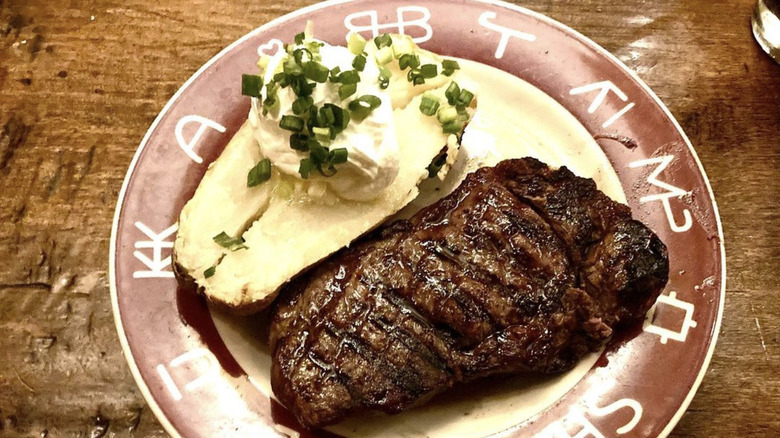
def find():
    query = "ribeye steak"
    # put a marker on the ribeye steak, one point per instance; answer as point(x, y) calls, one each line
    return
point(522, 268)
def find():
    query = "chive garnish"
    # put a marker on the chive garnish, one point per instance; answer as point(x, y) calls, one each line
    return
point(319, 154)
point(208, 273)
point(251, 85)
point(347, 90)
point(449, 66)
point(322, 134)
point(305, 168)
point(415, 76)
point(452, 127)
point(447, 114)
point(429, 71)
point(334, 74)
point(302, 104)
point(232, 243)
point(383, 40)
point(363, 106)
point(465, 97)
point(338, 156)
point(259, 174)
point(429, 105)
point(326, 116)
point(452, 93)
point(292, 68)
point(303, 56)
point(301, 87)
point(340, 118)
point(316, 72)
point(281, 79)
point(408, 61)
point(359, 63)
point(291, 123)
point(299, 142)
point(349, 77)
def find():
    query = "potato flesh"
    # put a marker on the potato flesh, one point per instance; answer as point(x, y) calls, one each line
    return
point(285, 229)
point(297, 231)
point(222, 202)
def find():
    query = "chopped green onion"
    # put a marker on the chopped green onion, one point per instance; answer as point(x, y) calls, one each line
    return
point(281, 79)
point(408, 61)
point(383, 40)
point(299, 38)
point(299, 54)
point(359, 63)
point(292, 68)
point(302, 104)
point(305, 168)
point(363, 106)
point(429, 105)
point(301, 87)
point(314, 48)
point(318, 154)
point(251, 85)
point(299, 142)
point(316, 72)
point(452, 93)
point(338, 156)
point(453, 127)
point(356, 43)
point(465, 98)
point(429, 71)
point(347, 90)
point(322, 134)
point(415, 76)
point(271, 100)
point(383, 56)
point(384, 77)
point(340, 118)
point(208, 273)
point(326, 116)
point(312, 143)
point(291, 123)
point(349, 77)
point(402, 47)
point(259, 174)
point(447, 114)
point(334, 74)
point(233, 244)
point(449, 66)
point(437, 163)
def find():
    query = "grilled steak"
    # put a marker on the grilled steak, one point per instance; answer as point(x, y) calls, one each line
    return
point(523, 268)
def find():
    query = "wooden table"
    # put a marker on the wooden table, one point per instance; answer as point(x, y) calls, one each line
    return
point(81, 81)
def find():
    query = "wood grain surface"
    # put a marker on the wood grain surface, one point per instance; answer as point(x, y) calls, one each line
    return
point(82, 80)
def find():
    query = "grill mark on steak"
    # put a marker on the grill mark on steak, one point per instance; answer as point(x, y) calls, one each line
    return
point(523, 268)
point(414, 345)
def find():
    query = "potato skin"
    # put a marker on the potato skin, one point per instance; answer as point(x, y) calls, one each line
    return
point(242, 308)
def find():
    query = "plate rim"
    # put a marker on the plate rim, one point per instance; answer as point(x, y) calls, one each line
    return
point(135, 371)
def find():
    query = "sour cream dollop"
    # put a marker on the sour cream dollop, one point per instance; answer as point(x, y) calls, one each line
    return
point(372, 146)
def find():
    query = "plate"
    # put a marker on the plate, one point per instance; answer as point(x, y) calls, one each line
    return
point(196, 368)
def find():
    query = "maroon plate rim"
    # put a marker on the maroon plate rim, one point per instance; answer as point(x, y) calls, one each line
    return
point(711, 337)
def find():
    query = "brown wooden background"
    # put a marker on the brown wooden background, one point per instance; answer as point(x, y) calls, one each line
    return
point(81, 81)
